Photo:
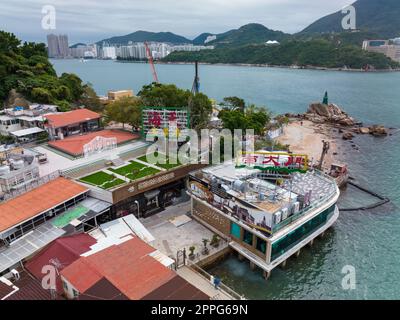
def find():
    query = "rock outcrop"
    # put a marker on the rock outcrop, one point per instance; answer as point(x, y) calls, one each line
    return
point(16, 99)
point(378, 131)
point(320, 113)
point(347, 136)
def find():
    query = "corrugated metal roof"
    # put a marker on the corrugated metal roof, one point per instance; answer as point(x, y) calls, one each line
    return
point(127, 266)
point(37, 201)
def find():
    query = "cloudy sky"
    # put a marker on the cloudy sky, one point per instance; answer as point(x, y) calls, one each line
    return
point(93, 20)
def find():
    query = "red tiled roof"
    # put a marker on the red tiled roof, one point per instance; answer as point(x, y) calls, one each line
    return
point(127, 266)
point(70, 117)
point(60, 253)
point(74, 145)
point(5, 290)
point(30, 289)
point(41, 199)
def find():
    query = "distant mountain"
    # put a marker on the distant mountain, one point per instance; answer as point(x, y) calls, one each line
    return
point(76, 45)
point(199, 40)
point(253, 33)
point(381, 17)
point(141, 36)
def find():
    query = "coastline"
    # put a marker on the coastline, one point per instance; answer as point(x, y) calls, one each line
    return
point(258, 65)
point(278, 66)
point(307, 139)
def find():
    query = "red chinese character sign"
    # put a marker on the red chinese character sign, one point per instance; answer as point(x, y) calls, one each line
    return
point(164, 121)
point(269, 161)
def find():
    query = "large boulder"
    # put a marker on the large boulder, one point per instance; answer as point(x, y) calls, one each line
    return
point(16, 99)
point(378, 131)
point(347, 136)
point(364, 130)
point(330, 113)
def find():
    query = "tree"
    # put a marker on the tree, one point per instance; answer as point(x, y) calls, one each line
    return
point(164, 95)
point(253, 118)
point(90, 99)
point(200, 111)
point(27, 69)
point(234, 103)
point(125, 110)
point(169, 95)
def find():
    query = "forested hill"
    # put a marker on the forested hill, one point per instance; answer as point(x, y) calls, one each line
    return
point(381, 17)
point(312, 53)
point(25, 69)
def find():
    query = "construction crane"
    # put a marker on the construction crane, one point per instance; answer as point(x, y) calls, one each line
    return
point(150, 58)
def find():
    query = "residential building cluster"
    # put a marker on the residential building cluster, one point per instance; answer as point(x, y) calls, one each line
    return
point(390, 48)
point(58, 47)
point(159, 50)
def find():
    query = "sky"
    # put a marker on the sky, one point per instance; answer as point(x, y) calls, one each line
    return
point(93, 20)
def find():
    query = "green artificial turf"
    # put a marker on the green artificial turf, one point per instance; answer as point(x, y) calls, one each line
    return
point(166, 165)
point(102, 180)
point(135, 170)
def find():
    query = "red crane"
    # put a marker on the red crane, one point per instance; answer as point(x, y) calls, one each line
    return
point(150, 58)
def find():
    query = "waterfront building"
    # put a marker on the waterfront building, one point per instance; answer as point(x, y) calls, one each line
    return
point(58, 46)
point(391, 50)
point(266, 217)
point(84, 51)
point(159, 50)
point(109, 53)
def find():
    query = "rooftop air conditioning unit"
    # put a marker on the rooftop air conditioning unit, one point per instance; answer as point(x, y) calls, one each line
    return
point(284, 213)
point(277, 217)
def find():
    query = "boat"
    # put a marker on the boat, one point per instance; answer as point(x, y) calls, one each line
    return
point(340, 173)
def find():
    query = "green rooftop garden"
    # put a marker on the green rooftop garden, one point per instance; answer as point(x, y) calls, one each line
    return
point(102, 180)
point(135, 170)
point(168, 165)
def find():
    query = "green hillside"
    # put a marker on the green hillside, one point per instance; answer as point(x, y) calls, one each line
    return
point(141, 36)
point(381, 17)
point(313, 53)
point(26, 68)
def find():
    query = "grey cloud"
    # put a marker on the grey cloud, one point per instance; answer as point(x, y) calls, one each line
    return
point(91, 20)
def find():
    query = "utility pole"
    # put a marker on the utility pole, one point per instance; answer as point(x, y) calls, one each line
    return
point(325, 150)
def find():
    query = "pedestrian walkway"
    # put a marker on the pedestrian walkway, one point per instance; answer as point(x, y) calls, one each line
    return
point(203, 284)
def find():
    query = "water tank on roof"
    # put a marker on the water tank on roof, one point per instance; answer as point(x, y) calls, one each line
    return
point(239, 185)
point(4, 170)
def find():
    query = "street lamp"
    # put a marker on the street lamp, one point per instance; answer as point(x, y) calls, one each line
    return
point(137, 205)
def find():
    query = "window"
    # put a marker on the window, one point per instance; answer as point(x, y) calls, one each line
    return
point(247, 237)
point(75, 293)
point(284, 244)
point(235, 230)
point(65, 286)
point(261, 245)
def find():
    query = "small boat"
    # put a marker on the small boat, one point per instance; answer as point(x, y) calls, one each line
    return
point(340, 173)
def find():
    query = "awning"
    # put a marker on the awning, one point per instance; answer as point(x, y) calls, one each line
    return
point(26, 132)
point(29, 244)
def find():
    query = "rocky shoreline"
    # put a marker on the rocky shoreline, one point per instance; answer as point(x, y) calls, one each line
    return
point(333, 116)
point(329, 123)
